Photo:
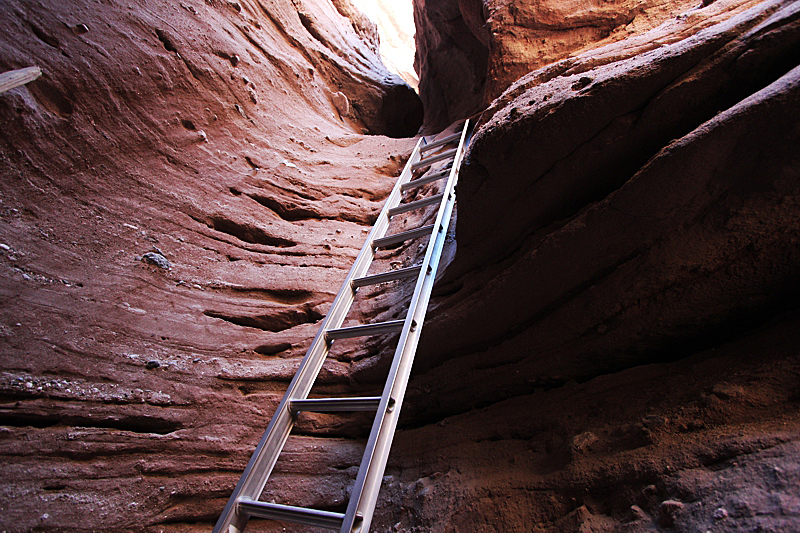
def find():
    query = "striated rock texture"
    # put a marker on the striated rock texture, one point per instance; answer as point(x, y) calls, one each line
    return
point(470, 51)
point(182, 193)
point(614, 344)
point(677, 198)
point(612, 348)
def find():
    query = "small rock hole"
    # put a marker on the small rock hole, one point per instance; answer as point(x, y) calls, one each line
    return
point(166, 41)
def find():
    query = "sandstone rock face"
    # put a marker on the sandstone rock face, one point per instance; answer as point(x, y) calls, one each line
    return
point(612, 347)
point(214, 135)
point(470, 51)
point(384, 102)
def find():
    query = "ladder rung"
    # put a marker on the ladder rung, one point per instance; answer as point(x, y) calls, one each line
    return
point(440, 142)
point(383, 277)
point(365, 330)
point(335, 405)
point(288, 513)
point(402, 208)
point(427, 179)
point(433, 159)
point(400, 237)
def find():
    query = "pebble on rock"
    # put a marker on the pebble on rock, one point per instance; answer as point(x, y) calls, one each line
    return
point(583, 443)
point(720, 514)
point(157, 260)
point(150, 365)
point(637, 514)
point(667, 512)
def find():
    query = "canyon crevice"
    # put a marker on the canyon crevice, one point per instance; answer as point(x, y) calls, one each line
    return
point(612, 345)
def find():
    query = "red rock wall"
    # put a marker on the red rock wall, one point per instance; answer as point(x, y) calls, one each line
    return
point(470, 51)
point(450, 61)
point(613, 348)
point(226, 136)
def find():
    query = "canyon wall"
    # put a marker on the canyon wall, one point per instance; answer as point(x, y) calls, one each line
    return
point(183, 191)
point(612, 346)
point(395, 21)
point(470, 51)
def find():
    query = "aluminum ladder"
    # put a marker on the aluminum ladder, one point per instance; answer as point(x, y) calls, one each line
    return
point(244, 502)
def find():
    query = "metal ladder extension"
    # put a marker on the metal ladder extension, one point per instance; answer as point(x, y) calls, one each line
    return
point(244, 502)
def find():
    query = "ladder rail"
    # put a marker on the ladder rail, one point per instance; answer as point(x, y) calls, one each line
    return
point(15, 78)
point(261, 463)
point(364, 494)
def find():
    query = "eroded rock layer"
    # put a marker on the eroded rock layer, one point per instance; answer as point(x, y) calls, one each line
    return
point(470, 51)
point(612, 347)
point(183, 191)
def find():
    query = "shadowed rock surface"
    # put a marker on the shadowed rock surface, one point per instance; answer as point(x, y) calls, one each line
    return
point(625, 277)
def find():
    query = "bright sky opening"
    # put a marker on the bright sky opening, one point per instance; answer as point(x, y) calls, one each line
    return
point(395, 20)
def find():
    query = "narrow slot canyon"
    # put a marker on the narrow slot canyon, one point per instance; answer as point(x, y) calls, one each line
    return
point(612, 339)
